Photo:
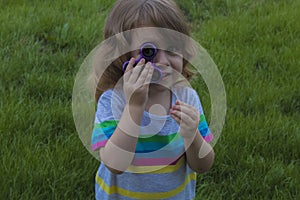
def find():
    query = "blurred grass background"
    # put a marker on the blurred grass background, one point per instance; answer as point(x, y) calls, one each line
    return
point(255, 44)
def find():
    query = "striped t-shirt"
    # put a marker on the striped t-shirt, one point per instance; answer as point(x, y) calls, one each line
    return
point(159, 169)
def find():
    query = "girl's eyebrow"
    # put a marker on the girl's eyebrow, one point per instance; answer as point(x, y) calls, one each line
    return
point(159, 41)
point(153, 37)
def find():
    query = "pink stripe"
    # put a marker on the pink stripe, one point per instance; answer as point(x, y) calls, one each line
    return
point(99, 144)
point(154, 161)
point(208, 138)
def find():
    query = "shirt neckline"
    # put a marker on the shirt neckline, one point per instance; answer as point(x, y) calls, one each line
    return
point(160, 117)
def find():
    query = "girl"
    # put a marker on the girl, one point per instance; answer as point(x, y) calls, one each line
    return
point(151, 137)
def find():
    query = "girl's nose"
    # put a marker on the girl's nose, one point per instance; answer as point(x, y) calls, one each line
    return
point(161, 58)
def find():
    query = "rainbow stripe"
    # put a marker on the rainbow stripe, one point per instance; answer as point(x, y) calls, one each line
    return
point(103, 131)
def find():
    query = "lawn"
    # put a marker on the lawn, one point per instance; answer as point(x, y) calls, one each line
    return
point(255, 44)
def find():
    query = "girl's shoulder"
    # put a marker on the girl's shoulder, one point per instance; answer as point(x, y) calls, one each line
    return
point(111, 95)
point(110, 105)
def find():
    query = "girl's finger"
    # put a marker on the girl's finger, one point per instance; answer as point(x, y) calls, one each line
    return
point(184, 104)
point(128, 70)
point(149, 74)
point(184, 118)
point(136, 71)
point(190, 111)
point(187, 109)
point(176, 118)
point(143, 75)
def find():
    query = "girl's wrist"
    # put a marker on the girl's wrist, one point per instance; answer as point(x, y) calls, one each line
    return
point(135, 112)
point(195, 138)
point(136, 104)
point(188, 135)
point(131, 120)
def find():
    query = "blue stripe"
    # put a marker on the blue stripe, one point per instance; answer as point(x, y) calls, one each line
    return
point(203, 128)
point(146, 147)
point(162, 153)
point(98, 138)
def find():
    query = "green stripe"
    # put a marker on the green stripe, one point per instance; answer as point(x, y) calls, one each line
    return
point(105, 124)
point(202, 118)
point(144, 138)
point(159, 138)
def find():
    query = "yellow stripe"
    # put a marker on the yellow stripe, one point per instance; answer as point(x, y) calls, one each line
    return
point(160, 169)
point(138, 195)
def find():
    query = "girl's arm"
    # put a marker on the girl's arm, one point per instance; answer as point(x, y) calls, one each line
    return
point(118, 152)
point(200, 155)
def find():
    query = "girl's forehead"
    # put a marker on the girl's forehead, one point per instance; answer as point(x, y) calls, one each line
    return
point(161, 39)
point(147, 35)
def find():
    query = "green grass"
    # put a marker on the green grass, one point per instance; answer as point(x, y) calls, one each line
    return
point(255, 44)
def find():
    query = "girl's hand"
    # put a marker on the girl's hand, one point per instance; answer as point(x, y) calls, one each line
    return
point(136, 82)
point(187, 117)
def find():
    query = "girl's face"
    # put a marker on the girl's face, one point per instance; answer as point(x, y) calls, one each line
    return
point(170, 62)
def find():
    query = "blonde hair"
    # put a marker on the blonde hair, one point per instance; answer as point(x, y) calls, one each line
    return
point(129, 14)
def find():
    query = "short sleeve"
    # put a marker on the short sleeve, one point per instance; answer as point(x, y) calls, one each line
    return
point(106, 120)
point(203, 126)
point(204, 129)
